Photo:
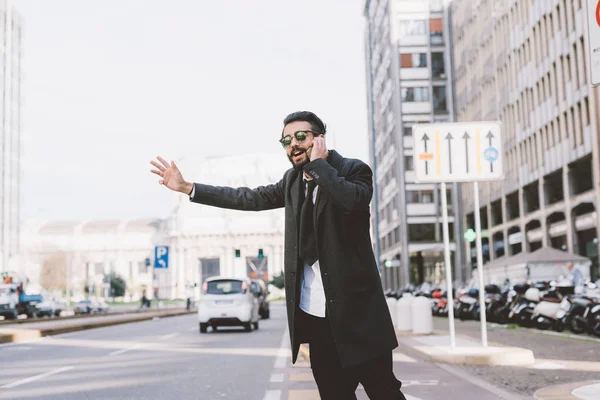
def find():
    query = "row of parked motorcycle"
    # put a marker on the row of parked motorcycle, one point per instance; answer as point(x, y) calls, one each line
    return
point(541, 305)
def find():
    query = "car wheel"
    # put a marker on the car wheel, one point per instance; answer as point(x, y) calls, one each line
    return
point(203, 327)
point(248, 326)
point(255, 325)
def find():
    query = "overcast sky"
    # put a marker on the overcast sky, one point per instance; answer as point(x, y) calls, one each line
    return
point(109, 85)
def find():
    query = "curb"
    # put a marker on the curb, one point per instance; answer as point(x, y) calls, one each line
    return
point(21, 335)
point(561, 392)
point(470, 354)
point(81, 316)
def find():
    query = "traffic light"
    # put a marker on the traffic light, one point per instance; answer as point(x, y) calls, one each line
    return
point(237, 253)
point(260, 253)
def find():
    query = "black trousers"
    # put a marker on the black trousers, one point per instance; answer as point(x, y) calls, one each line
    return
point(337, 383)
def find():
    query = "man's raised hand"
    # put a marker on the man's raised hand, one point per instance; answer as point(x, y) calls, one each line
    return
point(170, 176)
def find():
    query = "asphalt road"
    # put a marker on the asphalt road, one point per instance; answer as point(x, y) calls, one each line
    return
point(170, 359)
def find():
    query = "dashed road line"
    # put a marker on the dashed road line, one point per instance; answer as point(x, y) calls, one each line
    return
point(36, 377)
point(134, 347)
point(169, 336)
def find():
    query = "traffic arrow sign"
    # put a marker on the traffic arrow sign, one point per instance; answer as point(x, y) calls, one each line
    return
point(443, 160)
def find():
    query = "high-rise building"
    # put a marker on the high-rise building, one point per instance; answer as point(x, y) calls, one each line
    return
point(10, 134)
point(409, 81)
point(525, 63)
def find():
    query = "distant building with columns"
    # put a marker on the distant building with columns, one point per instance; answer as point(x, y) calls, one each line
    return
point(203, 241)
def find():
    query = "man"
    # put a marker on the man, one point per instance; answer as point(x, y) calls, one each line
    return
point(576, 277)
point(334, 297)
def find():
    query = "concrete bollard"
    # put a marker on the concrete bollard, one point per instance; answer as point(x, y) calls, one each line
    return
point(422, 318)
point(391, 302)
point(404, 313)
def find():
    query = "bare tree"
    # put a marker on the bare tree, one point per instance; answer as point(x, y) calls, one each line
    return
point(54, 271)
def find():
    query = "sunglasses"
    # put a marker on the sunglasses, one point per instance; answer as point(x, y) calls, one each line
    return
point(300, 136)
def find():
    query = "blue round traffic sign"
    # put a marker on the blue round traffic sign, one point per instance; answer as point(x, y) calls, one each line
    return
point(491, 154)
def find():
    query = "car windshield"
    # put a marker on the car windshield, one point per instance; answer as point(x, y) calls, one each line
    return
point(225, 287)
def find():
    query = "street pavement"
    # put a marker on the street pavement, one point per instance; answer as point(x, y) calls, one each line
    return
point(560, 357)
point(169, 359)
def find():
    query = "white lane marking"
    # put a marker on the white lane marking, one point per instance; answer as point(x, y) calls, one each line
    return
point(36, 377)
point(115, 353)
point(30, 341)
point(272, 395)
point(282, 361)
point(169, 336)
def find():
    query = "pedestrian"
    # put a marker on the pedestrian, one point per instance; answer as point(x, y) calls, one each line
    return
point(143, 300)
point(334, 296)
point(576, 277)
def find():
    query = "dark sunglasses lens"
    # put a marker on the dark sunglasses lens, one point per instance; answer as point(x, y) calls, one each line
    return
point(286, 141)
point(301, 136)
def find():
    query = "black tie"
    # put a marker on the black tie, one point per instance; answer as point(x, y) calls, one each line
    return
point(308, 240)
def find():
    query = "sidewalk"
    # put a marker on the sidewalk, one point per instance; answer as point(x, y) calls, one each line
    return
point(559, 359)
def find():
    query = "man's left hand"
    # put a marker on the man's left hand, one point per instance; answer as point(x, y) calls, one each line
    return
point(319, 150)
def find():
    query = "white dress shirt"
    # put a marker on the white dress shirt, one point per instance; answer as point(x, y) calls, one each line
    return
point(312, 294)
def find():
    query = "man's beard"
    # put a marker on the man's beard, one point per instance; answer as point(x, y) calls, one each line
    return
point(299, 166)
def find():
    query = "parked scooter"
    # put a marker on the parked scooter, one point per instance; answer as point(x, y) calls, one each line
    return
point(576, 311)
point(546, 314)
point(467, 304)
point(522, 312)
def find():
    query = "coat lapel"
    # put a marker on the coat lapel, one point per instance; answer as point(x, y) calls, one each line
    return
point(336, 162)
point(296, 194)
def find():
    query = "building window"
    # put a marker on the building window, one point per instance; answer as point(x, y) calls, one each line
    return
point(408, 163)
point(413, 60)
point(415, 94)
point(412, 196)
point(412, 27)
point(421, 232)
point(436, 32)
point(426, 196)
point(437, 65)
point(439, 100)
point(407, 131)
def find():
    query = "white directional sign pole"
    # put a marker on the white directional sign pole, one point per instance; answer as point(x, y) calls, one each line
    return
point(482, 308)
point(448, 265)
point(459, 152)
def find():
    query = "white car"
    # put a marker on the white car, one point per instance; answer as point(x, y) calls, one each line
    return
point(228, 302)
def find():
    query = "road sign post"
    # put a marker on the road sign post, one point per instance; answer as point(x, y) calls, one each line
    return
point(448, 265)
point(482, 307)
point(459, 152)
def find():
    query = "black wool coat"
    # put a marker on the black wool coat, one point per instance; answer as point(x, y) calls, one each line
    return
point(356, 307)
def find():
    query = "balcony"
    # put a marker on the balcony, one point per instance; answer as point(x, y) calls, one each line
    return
point(419, 209)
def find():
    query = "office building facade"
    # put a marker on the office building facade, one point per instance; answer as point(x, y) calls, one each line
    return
point(409, 81)
point(525, 63)
point(10, 135)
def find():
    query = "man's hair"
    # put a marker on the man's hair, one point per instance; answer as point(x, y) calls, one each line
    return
point(315, 122)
